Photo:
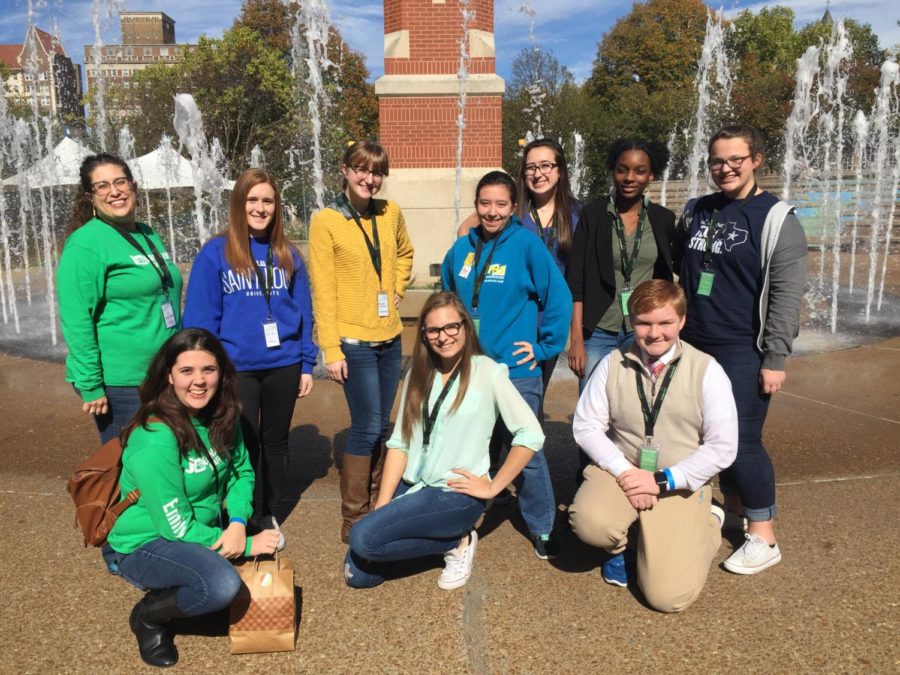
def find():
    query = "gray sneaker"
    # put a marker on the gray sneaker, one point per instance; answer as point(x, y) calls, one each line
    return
point(753, 557)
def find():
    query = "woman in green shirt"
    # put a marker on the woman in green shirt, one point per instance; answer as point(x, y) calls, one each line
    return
point(438, 457)
point(185, 455)
point(119, 294)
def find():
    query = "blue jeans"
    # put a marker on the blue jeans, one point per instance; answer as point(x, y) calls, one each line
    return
point(206, 581)
point(373, 374)
point(597, 345)
point(123, 403)
point(533, 486)
point(752, 476)
point(428, 522)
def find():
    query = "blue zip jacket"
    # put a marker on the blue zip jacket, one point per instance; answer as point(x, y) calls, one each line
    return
point(523, 279)
point(233, 308)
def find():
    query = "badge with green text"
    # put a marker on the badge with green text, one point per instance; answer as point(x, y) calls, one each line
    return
point(624, 297)
point(647, 457)
point(706, 283)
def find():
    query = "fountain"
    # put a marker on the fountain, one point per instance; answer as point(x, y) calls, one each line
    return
point(462, 75)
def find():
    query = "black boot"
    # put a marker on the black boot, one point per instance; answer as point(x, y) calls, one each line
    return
point(148, 623)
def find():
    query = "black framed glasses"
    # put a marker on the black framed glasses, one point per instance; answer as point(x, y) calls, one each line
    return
point(450, 330)
point(103, 187)
point(544, 168)
point(363, 171)
point(717, 164)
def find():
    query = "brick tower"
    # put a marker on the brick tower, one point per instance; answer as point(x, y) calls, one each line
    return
point(418, 96)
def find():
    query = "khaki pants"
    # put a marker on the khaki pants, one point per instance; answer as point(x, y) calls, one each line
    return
point(678, 537)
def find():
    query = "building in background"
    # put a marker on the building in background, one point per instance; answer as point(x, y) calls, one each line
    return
point(40, 70)
point(147, 38)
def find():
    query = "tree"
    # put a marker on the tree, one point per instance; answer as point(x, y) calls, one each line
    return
point(766, 40)
point(644, 66)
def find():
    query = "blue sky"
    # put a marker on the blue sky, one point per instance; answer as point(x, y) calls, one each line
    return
point(570, 29)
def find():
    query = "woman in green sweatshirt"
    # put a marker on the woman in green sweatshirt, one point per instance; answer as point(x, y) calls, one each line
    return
point(119, 294)
point(185, 455)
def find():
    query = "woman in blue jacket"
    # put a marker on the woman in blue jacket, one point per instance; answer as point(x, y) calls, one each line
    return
point(249, 288)
point(505, 276)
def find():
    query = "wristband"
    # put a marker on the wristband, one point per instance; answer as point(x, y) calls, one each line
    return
point(662, 482)
point(235, 519)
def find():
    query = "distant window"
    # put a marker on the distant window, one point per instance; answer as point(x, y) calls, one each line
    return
point(164, 51)
point(147, 51)
point(29, 77)
point(42, 76)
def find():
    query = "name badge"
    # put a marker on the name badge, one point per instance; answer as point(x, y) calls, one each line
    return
point(476, 324)
point(467, 266)
point(270, 331)
point(624, 297)
point(383, 306)
point(648, 457)
point(168, 313)
point(706, 283)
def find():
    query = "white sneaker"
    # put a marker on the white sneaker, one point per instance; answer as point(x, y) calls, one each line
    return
point(753, 557)
point(719, 513)
point(458, 566)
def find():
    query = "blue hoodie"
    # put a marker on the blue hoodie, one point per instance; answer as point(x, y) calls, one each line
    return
point(523, 279)
point(233, 308)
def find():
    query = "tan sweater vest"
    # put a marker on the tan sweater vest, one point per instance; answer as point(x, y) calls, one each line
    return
point(679, 427)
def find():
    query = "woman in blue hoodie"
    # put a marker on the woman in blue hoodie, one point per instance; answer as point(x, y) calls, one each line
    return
point(249, 288)
point(504, 275)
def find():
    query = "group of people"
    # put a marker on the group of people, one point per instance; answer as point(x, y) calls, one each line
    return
point(677, 329)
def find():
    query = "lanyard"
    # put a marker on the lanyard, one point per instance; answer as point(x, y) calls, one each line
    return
point(267, 279)
point(428, 419)
point(373, 244)
point(479, 277)
point(715, 230)
point(548, 236)
point(650, 414)
point(157, 262)
point(628, 263)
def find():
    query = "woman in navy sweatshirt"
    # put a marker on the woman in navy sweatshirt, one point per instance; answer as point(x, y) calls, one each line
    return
point(249, 288)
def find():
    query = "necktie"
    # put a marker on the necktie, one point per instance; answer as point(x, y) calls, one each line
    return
point(655, 367)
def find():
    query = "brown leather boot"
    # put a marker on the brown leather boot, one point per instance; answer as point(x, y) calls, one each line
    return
point(354, 491)
point(377, 466)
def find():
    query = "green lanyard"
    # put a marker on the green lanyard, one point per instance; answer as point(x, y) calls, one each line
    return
point(267, 280)
point(373, 245)
point(651, 414)
point(548, 236)
point(628, 263)
point(429, 419)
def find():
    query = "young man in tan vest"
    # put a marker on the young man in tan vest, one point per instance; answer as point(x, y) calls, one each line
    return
point(658, 420)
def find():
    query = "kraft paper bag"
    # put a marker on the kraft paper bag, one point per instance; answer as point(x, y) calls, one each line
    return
point(262, 616)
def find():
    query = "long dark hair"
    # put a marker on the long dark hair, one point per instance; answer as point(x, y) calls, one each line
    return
point(563, 200)
point(425, 362)
point(82, 206)
point(158, 399)
point(498, 178)
point(237, 236)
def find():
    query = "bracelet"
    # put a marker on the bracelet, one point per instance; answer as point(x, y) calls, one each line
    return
point(235, 519)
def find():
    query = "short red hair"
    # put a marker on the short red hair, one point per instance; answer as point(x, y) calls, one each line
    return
point(655, 293)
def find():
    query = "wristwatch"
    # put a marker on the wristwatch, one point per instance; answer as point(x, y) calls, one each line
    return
point(662, 481)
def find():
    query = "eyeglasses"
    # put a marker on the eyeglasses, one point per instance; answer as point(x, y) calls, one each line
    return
point(363, 171)
point(450, 330)
point(103, 187)
point(732, 162)
point(543, 167)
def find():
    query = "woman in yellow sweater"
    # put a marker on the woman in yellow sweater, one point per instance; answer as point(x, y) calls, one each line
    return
point(360, 265)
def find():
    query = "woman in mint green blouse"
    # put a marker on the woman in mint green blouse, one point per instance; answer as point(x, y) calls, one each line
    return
point(438, 459)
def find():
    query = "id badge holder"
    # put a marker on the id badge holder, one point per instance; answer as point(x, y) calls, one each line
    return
point(383, 307)
point(168, 313)
point(648, 457)
point(706, 283)
point(476, 324)
point(624, 297)
point(270, 331)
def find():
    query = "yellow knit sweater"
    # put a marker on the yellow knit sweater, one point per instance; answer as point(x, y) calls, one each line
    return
point(345, 285)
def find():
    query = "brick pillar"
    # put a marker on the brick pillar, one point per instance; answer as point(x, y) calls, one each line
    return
point(418, 96)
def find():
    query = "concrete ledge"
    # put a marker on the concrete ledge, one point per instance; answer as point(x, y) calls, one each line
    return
point(438, 85)
point(396, 45)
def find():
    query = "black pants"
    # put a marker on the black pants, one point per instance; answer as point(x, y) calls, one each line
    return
point(267, 405)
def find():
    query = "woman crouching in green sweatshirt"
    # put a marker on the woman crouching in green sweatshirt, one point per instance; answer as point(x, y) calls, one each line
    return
point(186, 462)
point(119, 294)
